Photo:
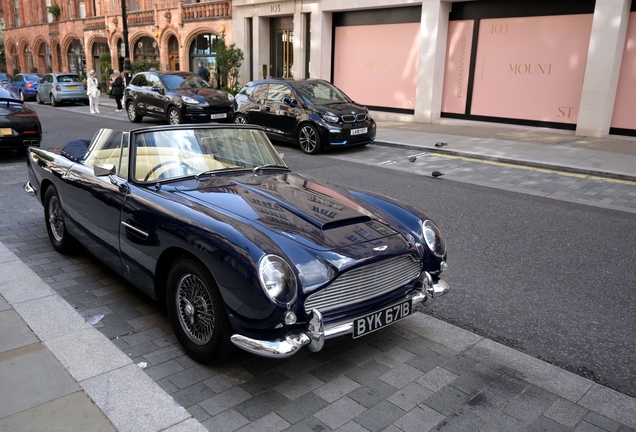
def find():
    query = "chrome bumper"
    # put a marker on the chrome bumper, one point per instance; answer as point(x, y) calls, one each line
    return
point(29, 189)
point(316, 333)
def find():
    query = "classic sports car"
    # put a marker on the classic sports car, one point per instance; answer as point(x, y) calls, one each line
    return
point(244, 252)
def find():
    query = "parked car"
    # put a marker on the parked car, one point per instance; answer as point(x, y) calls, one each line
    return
point(313, 113)
point(178, 97)
point(5, 78)
point(61, 87)
point(245, 252)
point(19, 124)
point(25, 85)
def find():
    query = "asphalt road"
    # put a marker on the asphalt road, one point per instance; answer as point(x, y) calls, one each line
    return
point(551, 278)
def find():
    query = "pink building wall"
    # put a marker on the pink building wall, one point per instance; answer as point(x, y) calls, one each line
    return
point(625, 104)
point(377, 64)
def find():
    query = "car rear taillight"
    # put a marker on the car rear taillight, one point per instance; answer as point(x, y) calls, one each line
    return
point(26, 115)
point(58, 88)
point(29, 132)
point(29, 85)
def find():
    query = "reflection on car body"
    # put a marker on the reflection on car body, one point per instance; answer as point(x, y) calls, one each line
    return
point(245, 252)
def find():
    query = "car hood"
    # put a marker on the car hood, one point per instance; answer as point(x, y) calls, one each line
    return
point(211, 96)
point(308, 211)
point(344, 108)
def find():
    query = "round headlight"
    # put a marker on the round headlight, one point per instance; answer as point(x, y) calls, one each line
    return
point(277, 279)
point(434, 239)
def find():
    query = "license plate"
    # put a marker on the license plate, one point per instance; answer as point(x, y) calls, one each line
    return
point(358, 131)
point(216, 116)
point(72, 87)
point(383, 318)
point(6, 131)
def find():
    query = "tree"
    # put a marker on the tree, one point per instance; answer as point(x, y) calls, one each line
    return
point(145, 65)
point(3, 56)
point(106, 68)
point(228, 62)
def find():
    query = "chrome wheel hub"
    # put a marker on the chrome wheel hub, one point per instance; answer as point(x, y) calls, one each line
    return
point(56, 223)
point(196, 312)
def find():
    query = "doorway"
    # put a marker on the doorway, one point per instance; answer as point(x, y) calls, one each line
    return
point(282, 47)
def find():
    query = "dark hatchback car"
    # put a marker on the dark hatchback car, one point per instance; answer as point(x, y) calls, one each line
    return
point(25, 85)
point(178, 97)
point(313, 113)
point(5, 78)
point(19, 124)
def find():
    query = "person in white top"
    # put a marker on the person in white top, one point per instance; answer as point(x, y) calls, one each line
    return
point(93, 92)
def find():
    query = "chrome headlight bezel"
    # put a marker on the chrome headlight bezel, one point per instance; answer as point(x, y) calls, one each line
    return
point(277, 280)
point(330, 118)
point(190, 100)
point(433, 238)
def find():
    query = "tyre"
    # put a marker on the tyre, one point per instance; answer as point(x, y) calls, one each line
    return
point(55, 225)
point(240, 119)
point(197, 312)
point(174, 116)
point(54, 101)
point(37, 99)
point(22, 98)
point(308, 138)
point(132, 112)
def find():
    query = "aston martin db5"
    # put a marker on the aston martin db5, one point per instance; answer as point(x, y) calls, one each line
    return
point(243, 251)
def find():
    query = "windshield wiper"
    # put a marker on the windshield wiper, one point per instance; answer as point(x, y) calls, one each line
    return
point(216, 170)
point(275, 166)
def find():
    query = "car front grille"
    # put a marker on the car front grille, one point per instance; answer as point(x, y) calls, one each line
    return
point(365, 283)
point(354, 118)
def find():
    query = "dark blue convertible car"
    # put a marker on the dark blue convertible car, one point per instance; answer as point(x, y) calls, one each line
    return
point(243, 251)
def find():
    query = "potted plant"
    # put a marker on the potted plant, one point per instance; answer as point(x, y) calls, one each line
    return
point(55, 10)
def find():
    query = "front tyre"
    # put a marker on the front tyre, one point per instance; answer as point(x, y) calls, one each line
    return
point(55, 225)
point(308, 139)
point(240, 119)
point(174, 117)
point(38, 99)
point(54, 101)
point(197, 312)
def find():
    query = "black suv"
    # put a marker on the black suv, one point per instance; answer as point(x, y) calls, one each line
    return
point(179, 97)
point(313, 113)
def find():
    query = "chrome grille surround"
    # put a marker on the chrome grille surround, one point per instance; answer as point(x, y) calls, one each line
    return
point(366, 283)
point(350, 118)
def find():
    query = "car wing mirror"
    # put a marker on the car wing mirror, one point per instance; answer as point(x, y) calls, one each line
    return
point(289, 101)
point(157, 89)
point(102, 170)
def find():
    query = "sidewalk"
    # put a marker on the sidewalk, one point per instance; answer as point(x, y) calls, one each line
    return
point(58, 372)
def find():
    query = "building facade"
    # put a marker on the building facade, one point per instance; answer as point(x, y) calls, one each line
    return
point(174, 33)
point(567, 64)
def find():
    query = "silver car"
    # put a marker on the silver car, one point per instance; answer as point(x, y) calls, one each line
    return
point(61, 87)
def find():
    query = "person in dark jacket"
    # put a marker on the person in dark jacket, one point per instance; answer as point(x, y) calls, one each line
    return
point(117, 89)
point(203, 72)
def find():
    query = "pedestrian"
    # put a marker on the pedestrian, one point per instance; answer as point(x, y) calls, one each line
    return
point(203, 72)
point(93, 92)
point(118, 89)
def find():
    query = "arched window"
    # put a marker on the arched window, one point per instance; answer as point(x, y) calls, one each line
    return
point(147, 49)
point(203, 48)
point(45, 59)
point(28, 55)
point(14, 58)
point(173, 53)
point(76, 58)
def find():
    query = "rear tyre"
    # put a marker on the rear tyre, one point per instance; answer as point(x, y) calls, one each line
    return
point(55, 225)
point(132, 112)
point(308, 139)
point(37, 99)
point(174, 116)
point(240, 119)
point(54, 101)
point(22, 98)
point(197, 312)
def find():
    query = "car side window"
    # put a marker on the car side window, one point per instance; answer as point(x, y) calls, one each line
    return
point(140, 80)
point(279, 91)
point(17, 78)
point(153, 80)
point(260, 94)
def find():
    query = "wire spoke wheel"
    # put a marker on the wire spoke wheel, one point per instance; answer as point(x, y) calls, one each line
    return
point(196, 311)
point(56, 221)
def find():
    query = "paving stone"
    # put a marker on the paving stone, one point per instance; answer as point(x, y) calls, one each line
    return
point(198, 413)
point(332, 369)
point(164, 370)
point(544, 424)
point(471, 383)
point(526, 409)
point(504, 423)
point(461, 421)
point(540, 394)
point(302, 407)
point(566, 413)
point(447, 400)
point(259, 406)
point(381, 416)
point(298, 366)
point(269, 423)
point(190, 376)
point(459, 364)
point(192, 395)
point(263, 382)
point(227, 421)
point(602, 422)
point(588, 427)
point(227, 399)
point(410, 396)
point(401, 375)
point(299, 386)
point(361, 355)
point(372, 393)
point(427, 360)
point(220, 383)
point(310, 424)
point(436, 379)
point(419, 419)
point(367, 372)
point(394, 357)
point(336, 388)
point(339, 412)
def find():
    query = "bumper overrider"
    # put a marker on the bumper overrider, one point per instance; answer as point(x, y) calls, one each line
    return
point(316, 332)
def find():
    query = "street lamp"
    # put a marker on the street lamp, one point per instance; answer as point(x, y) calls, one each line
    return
point(127, 65)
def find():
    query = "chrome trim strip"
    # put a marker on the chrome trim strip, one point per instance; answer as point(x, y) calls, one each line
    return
point(135, 229)
point(28, 188)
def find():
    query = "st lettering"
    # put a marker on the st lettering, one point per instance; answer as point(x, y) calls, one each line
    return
point(565, 112)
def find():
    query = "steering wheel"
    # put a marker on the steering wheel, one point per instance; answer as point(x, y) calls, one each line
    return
point(182, 164)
